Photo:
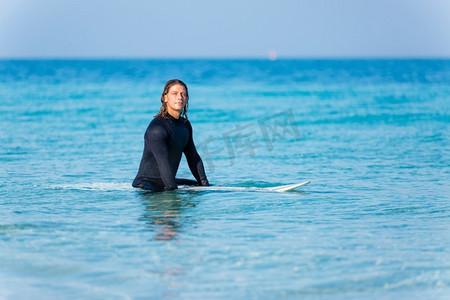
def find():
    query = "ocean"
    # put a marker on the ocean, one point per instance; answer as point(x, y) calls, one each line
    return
point(371, 135)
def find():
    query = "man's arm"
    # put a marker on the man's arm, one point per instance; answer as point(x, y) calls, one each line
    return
point(194, 161)
point(157, 138)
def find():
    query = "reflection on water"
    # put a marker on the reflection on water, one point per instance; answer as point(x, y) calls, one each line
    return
point(164, 212)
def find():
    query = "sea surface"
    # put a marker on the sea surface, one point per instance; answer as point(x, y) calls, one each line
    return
point(371, 135)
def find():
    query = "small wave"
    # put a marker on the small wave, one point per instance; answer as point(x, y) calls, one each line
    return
point(95, 186)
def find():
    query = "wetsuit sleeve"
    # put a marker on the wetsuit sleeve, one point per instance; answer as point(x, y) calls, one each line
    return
point(157, 138)
point(194, 161)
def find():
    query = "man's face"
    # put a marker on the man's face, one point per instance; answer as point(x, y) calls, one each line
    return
point(175, 99)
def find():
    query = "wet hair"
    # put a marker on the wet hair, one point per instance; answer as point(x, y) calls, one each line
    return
point(163, 113)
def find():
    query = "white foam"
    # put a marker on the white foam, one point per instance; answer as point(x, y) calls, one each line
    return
point(95, 186)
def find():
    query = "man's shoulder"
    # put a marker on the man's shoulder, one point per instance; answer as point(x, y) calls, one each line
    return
point(157, 125)
point(157, 120)
point(160, 121)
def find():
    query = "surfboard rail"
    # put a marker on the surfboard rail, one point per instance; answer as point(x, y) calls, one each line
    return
point(279, 189)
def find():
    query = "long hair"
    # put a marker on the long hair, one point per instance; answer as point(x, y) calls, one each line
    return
point(163, 111)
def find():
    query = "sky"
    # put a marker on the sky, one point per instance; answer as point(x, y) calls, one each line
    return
point(224, 29)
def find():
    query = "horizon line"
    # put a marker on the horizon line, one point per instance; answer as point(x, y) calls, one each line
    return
point(337, 57)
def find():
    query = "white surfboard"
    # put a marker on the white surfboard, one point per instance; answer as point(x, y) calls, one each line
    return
point(281, 188)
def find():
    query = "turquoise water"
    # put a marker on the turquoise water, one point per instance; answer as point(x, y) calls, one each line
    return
point(371, 135)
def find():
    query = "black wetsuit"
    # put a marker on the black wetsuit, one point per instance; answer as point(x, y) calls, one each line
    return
point(165, 141)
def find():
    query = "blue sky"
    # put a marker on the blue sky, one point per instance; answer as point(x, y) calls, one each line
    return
point(232, 28)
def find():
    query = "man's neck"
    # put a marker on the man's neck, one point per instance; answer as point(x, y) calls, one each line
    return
point(174, 113)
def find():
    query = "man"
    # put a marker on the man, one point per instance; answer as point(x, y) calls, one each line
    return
point(166, 138)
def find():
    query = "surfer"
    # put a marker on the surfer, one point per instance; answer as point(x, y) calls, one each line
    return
point(166, 138)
